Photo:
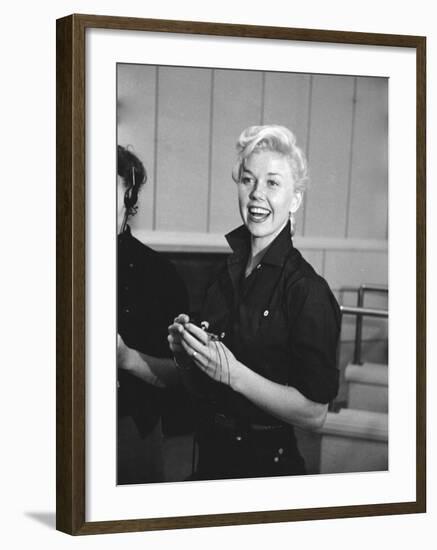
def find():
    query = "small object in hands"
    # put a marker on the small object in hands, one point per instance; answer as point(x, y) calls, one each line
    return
point(193, 355)
point(204, 325)
point(224, 373)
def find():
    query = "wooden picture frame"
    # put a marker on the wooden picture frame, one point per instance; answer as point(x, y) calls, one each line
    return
point(71, 284)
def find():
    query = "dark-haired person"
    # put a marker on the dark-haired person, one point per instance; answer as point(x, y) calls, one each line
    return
point(150, 293)
point(267, 361)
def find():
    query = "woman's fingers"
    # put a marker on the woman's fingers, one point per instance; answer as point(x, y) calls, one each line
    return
point(176, 326)
point(182, 318)
point(174, 343)
point(194, 344)
point(178, 331)
point(175, 331)
point(174, 337)
point(199, 333)
point(210, 356)
point(193, 354)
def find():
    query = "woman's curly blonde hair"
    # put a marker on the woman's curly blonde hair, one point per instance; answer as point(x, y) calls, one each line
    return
point(275, 138)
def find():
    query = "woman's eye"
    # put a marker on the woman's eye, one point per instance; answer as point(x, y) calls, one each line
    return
point(272, 183)
point(246, 180)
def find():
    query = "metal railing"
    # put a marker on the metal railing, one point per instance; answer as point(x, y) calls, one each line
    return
point(360, 311)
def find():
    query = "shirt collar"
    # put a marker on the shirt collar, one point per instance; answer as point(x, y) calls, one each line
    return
point(239, 241)
point(126, 235)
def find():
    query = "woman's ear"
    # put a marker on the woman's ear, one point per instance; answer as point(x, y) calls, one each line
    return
point(296, 202)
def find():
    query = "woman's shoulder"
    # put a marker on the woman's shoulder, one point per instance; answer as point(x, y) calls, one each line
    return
point(304, 284)
point(299, 272)
point(156, 265)
point(158, 259)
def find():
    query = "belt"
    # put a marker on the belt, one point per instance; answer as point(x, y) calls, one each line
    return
point(232, 424)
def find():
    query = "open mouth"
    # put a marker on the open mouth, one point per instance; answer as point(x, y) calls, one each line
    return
point(258, 214)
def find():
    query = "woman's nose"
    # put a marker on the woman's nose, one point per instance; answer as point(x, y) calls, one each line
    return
point(257, 191)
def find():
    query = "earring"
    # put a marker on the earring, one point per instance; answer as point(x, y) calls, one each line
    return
point(292, 222)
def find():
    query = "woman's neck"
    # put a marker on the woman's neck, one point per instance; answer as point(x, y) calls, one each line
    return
point(253, 261)
point(258, 247)
point(256, 253)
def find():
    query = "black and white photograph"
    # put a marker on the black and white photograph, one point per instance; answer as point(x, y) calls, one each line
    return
point(252, 273)
point(217, 275)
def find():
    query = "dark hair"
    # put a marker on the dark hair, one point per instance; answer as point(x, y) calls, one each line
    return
point(133, 173)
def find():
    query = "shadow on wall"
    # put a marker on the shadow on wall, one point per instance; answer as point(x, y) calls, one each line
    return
point(45, 518)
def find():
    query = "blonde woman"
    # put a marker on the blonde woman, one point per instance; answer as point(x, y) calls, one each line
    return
point(264, 360)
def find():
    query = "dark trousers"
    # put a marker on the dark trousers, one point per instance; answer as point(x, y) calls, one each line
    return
point(229, 453)
point(139, 455)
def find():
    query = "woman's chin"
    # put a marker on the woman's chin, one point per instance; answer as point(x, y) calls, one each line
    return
point(264, 229)
point(259, 229)
point(258, 221)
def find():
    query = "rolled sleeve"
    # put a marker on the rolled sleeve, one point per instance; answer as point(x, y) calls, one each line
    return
point(314, 337)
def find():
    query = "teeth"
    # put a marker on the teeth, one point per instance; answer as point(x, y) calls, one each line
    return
point(256, 210)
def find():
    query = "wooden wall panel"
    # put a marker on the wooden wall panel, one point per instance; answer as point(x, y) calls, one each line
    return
point(183, 134)
point(136, 128)
point(201, 112)
point(352, 268)
point(237, 99)
point(329, 155)
point(367, 214)
point(287, 102)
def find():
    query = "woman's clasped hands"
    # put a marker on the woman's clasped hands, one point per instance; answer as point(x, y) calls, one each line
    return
point(192, 344)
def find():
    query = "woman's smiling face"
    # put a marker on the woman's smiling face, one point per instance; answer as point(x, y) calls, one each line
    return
point(266, 195)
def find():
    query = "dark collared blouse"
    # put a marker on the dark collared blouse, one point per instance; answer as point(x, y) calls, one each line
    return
point(283, 322)
point(150, 295)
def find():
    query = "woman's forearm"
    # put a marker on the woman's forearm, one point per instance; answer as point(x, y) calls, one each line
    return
point(157, 371)
point(284, 402)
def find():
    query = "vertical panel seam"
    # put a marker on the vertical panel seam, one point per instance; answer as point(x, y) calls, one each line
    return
point(263, 97)
point(307, 146)
point(351, 157)
point(155, 154)
point(323, 261)
point(210, 151)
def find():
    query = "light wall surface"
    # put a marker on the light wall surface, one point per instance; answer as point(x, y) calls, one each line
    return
point(184, 122)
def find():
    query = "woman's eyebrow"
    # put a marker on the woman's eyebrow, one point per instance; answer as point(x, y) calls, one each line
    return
point(246, 170)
